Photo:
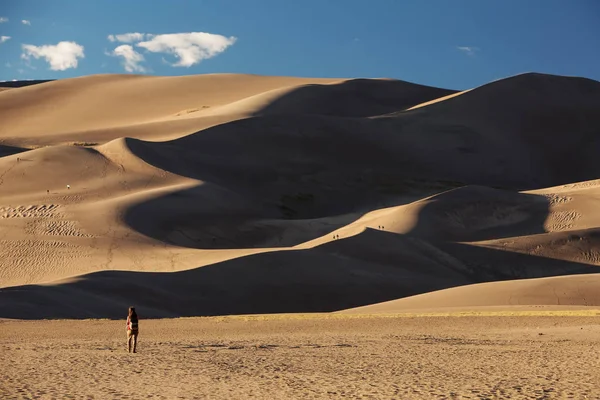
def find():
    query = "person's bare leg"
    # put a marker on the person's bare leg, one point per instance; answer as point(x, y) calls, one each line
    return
point(128, 342)
point(135, 342)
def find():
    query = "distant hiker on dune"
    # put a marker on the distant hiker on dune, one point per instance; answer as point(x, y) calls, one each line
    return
point(132, 329)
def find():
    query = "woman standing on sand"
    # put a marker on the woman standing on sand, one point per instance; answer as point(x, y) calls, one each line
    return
point(132, 329)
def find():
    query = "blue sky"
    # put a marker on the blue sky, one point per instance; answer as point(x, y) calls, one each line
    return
point(445, 43)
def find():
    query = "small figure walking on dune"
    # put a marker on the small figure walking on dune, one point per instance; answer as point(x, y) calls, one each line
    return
point(132, 329)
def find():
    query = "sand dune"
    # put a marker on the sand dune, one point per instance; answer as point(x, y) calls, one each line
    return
point(228, 194)
point(439, 99)
point(576, 290)
point(348, 98)
point(79, 105)
point(438, 142)
point(368, 268)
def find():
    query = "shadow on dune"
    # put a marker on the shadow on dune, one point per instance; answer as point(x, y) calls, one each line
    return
point(10, 150)
point(476, 213)
point(305, 167)
point(369, 268)
point(210, 217)
point(258, 183)
point(18, 84)
point(353, 98)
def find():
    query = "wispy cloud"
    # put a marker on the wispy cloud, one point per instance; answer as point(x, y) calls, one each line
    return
point(468, 50)
point(189, 48)
point(131, 58)
point(26, 22)
point(127, 37)
point(3, 20)
point(4, 39)
point(8, 65)
point(61, 56)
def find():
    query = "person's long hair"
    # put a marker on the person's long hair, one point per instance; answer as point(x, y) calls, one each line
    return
point(132, 314)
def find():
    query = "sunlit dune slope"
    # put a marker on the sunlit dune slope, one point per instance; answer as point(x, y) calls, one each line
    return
point(91, 107)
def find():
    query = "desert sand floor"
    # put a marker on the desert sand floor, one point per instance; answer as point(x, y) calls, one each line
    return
point(493, 355)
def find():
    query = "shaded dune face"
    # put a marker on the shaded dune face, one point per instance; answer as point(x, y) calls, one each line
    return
point(229, 194)
point(333, 277)
point(352, 98)
point(10, 150)
point(18, 84)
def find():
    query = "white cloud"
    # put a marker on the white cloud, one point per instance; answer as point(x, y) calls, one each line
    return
point(26, 22)
point(468, 50)
point(4, 38)
point(3, 20)
point(61, 56)
point(131, 58)
point(190, 48)
point(127, 37)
